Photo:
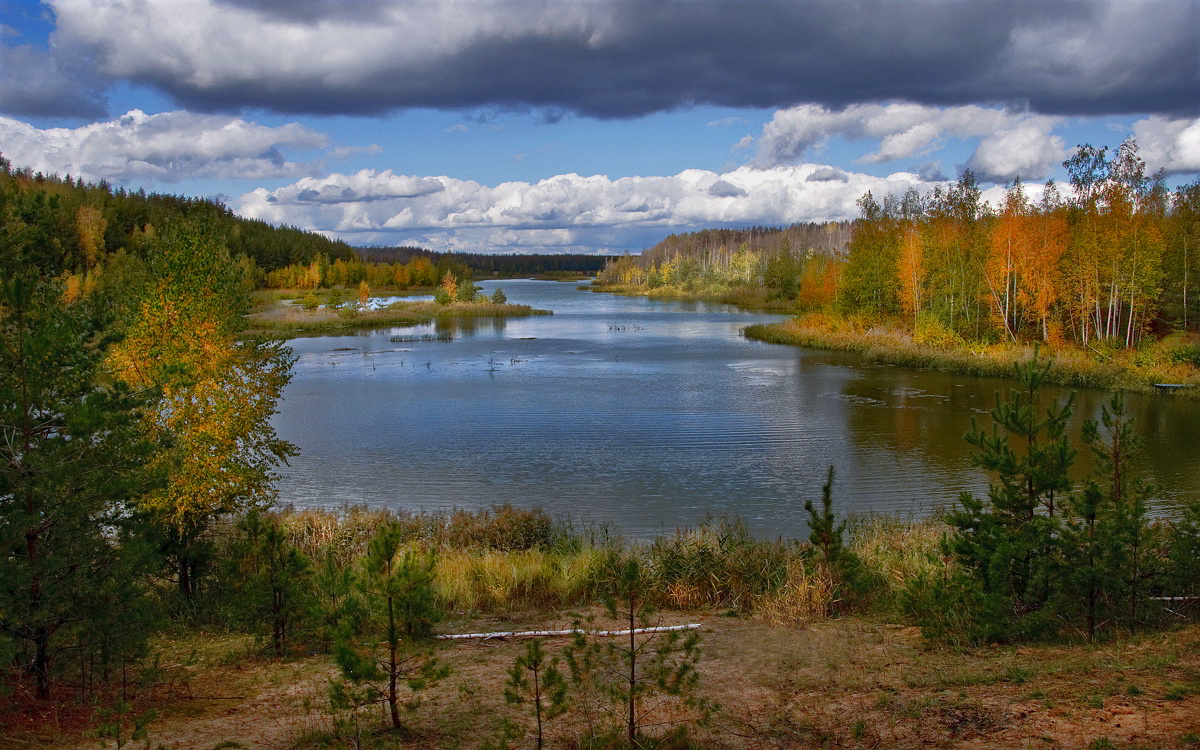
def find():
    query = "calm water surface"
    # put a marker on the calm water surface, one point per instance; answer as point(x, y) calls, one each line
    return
point(646, 415)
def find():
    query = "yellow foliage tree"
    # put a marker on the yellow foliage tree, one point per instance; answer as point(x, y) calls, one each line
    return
point(911, 269)
point(217, 395)
point(90, 225)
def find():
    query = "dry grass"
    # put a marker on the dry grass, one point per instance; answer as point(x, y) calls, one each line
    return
point(841, 683)
point(273, 315)
point(940, 350)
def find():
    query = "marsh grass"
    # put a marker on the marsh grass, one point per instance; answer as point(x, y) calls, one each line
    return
point(506, 559)
point(273, 315)
point(942, 350)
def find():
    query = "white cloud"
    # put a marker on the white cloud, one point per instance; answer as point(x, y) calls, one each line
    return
point(1027, 151)
point(1013, 143)
point(565, 212)
point(164, 147)
point(1168, 144)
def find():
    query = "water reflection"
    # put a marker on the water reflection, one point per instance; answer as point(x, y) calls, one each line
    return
point(644, 415)
point(469, 326)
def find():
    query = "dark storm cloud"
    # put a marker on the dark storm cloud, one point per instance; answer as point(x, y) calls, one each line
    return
point(632, 57)
point(33, 83)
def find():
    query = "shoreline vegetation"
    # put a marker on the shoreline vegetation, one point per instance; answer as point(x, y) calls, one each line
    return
point(778, 625)
point(1071, 366)
point(933, 348)
point(1100, 278)
point(288, 313)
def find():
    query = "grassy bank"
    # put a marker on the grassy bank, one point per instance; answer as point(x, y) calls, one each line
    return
point(940, 350)
point(1170, 360)
point(275, 313)
point(507, 559)
point(789, 659)
point(752, 298)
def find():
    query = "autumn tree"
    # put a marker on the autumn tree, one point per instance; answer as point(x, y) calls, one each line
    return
point(1009, 249)
point(1040, 267)
point(869, 281)
point(911, 270)
point(217, 394)
point(90, 223)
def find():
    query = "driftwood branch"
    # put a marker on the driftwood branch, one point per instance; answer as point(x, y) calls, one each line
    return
point(554, 633)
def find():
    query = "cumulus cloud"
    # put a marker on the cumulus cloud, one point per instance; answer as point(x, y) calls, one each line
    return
point(1012, 143)
point(1172, 145)
point(165, 147)
point(1027, 151)
point(565, 212)
point(624, 58)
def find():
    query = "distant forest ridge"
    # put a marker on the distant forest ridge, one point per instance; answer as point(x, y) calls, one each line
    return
point(825, 238)
point(77, 222)
point(488, 264)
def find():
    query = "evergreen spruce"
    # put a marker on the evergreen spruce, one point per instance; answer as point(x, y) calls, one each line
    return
point(71, 456)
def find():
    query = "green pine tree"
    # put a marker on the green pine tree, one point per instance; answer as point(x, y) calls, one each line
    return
point(1008, 543)
point(71, 457)
point(389, 641)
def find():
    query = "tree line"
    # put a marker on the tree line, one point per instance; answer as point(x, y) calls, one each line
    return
point(1112, 262)
point(1107, 263)
point(132, 417)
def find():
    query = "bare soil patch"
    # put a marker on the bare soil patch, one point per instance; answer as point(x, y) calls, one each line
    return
point(846, 683)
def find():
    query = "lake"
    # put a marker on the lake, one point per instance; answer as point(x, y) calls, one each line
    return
point(647, 415)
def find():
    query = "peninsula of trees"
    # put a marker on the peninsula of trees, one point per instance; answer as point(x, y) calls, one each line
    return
point(1106, 268)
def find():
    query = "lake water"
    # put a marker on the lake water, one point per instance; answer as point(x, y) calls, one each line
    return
point(646, 415)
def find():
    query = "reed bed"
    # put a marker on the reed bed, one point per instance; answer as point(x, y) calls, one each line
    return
point(507, 559)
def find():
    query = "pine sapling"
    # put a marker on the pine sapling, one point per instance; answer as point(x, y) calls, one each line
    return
point(534, 680)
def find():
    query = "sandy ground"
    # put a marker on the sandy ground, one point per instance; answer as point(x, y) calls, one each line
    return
point(842, 684)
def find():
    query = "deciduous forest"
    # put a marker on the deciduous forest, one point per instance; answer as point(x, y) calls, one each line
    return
point(1107, 264)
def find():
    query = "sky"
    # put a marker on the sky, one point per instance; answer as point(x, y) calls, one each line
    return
point(592, 125)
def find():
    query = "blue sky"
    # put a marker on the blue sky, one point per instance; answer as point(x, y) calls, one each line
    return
point(598, 126)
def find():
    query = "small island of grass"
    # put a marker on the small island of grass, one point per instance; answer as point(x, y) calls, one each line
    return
point(287, 313)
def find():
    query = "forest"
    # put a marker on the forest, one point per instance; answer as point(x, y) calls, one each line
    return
point(140, 534)
point(1108, 264)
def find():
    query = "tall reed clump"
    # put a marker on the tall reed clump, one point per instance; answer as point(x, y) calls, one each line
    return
point(898, 551)
point(716, 564)
point(506, 559)
point(472, 581)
